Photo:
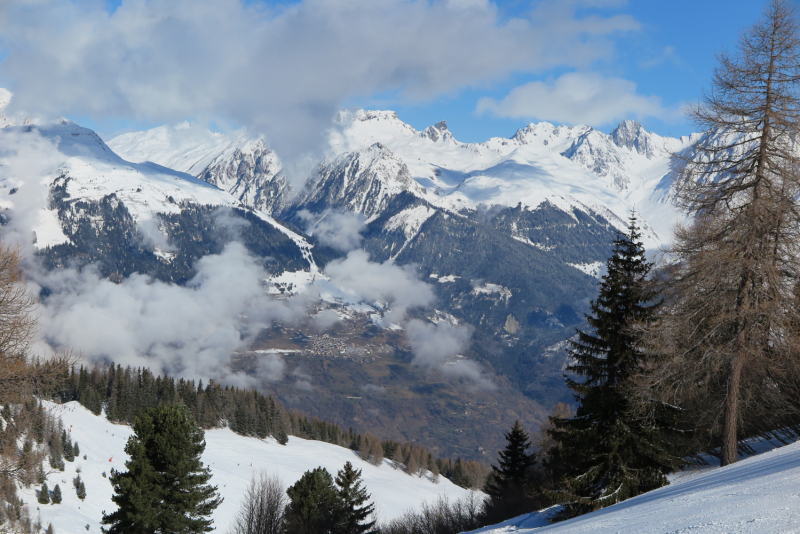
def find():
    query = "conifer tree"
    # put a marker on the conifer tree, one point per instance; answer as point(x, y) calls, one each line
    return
point(508, 486)
point(44, 494)
point(66, 444)
point(606, 455)
point(57, 495)
point(165, 488)
point(313, 504)
point(354, 505)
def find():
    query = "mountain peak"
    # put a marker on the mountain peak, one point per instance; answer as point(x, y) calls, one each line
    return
point(631, 134)
point(436, 132)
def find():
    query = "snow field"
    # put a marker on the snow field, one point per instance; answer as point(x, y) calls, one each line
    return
point(232, 459)
point(757, 495)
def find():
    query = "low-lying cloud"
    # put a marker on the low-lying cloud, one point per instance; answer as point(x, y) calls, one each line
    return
point(186, 331)
point(340, 230)
point(440, 347)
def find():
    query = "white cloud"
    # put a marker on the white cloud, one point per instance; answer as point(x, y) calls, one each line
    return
point(340, 230)
point(281, 71)
point(396, 288)
point(439, 346)
point(577, 98)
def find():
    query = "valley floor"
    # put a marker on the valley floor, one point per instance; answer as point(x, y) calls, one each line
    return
point(232, 459)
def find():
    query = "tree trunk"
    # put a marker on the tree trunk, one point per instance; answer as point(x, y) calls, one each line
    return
point(731, 417)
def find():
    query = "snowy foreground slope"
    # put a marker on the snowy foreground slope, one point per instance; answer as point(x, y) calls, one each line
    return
point(232, 459)
point(760, 494)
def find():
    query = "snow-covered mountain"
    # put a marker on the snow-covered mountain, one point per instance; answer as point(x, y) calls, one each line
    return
point(232, 458)
point(241, 165)
point(570, 167)
point(92, 206)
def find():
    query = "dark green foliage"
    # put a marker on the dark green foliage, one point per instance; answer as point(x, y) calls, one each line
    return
point(44, 494)
point(354, 506)
point(130, 392)
point(76, 451)
point(313, 504)
point(606, 456)
point(80, 487)
point(56, 495)
point(509, 483)
point(66, 445)
point(165, 488)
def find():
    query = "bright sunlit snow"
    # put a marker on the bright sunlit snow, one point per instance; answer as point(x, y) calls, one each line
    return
point(232, 459)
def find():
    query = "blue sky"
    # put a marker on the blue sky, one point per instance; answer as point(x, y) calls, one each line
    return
point(282, 69)
point(672, 57)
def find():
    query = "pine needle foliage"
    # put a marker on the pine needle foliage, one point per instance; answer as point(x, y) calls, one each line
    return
point(509, 482)
point(354, 506)
point(166, 486)
point(606, 454)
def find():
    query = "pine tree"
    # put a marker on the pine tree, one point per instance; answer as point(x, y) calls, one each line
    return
point(165, 488)
point(66, 444)
point(313, 504)
point(353, 512)
point(44, 494)
point(57, 495)
point(606, 455)
point(76, 451)
point(508, 486)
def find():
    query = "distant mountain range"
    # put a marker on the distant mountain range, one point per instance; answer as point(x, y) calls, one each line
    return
point(509, 235)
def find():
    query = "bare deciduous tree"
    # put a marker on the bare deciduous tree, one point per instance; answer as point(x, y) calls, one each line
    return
point(726, 343)
point(21, 375)
point(263, 507)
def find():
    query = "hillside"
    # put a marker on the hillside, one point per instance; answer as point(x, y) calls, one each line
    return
point(232, 459)
point(757, 495)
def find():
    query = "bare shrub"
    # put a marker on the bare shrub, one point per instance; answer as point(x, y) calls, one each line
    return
point(441, 517)
point(263, 507)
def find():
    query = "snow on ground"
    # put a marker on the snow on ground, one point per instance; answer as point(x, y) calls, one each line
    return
point(592, 269)
point(760, 494)
point(232, 459)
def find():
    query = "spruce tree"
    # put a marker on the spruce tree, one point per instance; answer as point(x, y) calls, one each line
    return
point(165, 488)
point(313, 504)
point(66, 444)
point(605, 454)
point(57, 495)
point(44, 494)
point(354, 505)
point(508, 486)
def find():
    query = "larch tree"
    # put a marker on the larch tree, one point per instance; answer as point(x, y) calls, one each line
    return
point(605, 452)
point(725, 346)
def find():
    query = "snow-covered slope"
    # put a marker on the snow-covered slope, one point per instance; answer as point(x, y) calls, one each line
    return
point(232, 459)
point(235, 162)
point(567, 166)
point(75, 170)
point(760, 494)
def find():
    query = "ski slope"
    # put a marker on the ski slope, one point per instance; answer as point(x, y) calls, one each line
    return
point(232, 459)
point(760, 494)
